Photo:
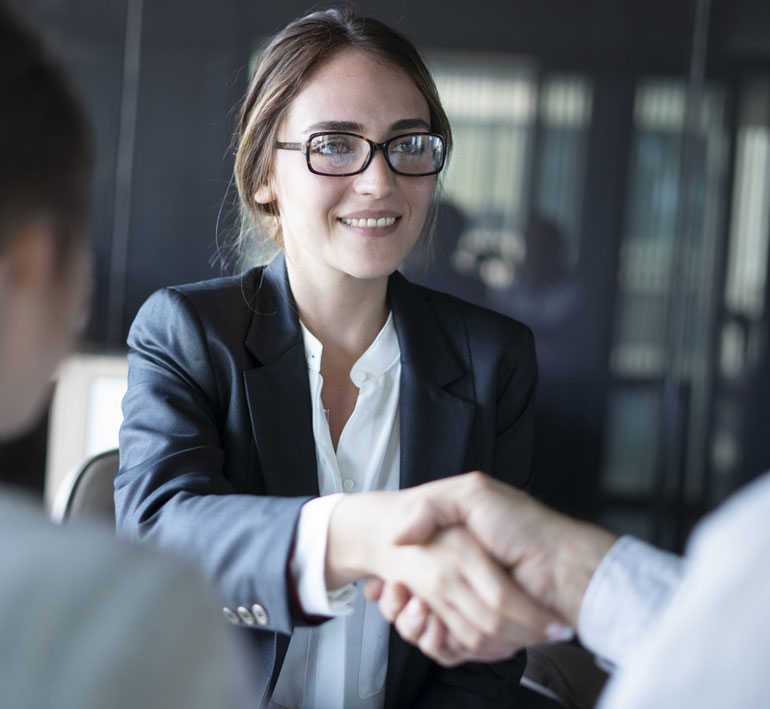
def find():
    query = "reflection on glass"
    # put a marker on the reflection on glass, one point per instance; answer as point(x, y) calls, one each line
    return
point(641, 350)
point(632, 441)
point(750, 223)
point(743, 334)
point(520, 145)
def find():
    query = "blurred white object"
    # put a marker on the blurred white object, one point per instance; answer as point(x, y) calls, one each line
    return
point(85, 414)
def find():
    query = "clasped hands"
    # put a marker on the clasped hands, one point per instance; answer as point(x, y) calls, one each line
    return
point(467, 568)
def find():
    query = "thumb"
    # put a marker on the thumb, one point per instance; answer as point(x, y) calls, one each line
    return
point(423, 518)
point(416, 531)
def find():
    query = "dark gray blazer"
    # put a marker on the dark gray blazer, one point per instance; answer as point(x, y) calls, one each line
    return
point(218, 456)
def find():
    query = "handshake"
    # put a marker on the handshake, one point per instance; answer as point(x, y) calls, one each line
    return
point(467, 568)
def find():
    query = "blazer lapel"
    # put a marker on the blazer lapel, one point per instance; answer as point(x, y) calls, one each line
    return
point(437, 410)
point(436, 403)
point(277, 390)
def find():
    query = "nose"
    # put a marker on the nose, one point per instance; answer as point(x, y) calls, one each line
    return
point(378, 179)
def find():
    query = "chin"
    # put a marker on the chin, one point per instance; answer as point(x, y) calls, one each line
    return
point(375, 267)
point(373, 272)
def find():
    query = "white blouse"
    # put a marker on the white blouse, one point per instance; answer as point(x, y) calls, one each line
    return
point(343, 662)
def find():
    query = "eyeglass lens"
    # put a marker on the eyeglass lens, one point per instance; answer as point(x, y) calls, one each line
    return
point(341, 153)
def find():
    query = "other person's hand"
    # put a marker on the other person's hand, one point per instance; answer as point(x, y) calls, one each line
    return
point(549, 556)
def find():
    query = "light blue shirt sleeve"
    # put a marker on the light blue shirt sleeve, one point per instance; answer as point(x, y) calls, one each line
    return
point(709, 645)
point(626, 597)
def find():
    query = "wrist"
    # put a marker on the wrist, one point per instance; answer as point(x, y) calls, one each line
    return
point(580, 548)
point(349, 552)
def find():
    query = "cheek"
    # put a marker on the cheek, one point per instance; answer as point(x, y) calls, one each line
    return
point(73, 298)
point(308, 198)
point(422, 196)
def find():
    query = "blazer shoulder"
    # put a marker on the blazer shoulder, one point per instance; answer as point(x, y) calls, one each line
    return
point(204, 301)
point(482, 325)
point(216, 292)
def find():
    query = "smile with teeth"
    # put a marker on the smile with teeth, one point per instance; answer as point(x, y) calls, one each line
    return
point(383, 221)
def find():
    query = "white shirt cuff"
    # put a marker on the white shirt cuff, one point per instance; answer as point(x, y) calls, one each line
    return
point(625, 597)
point(308, 562)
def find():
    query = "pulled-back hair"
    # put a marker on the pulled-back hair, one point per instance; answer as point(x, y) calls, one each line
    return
point(45, 147)
point(286, 64)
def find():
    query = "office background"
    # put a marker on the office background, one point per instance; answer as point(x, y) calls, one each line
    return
point(610, 187)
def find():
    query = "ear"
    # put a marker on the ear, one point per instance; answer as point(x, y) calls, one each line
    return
point(29, 256)
point(264, 195)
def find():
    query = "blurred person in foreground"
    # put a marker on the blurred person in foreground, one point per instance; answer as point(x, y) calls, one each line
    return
point(85, 621)
point(680, 632)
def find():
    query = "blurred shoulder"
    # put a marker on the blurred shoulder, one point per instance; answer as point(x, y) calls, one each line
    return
point(46, 555)
point(80, 598)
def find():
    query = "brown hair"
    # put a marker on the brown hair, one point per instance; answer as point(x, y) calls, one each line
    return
point(287, 62)
point(45, 146)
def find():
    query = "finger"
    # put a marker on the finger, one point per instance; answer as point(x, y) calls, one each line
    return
point(410, 623)
point(480, 604)
point(494, 652)
point(393, 599)
point(454, 647)
point(373, 588)
point(436, 574)
point(433, 643)
point(503, 601)
point(462, 613)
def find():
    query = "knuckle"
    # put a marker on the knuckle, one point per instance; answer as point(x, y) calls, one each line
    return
point(439, 579)
point(495, 626)
point(387, 610)
point(474, 640)
point(424, 507)
point(429, 646)
point(406, 630)
point(497, 598)
point(452, 661)
point(476, 477)
point(480, 480)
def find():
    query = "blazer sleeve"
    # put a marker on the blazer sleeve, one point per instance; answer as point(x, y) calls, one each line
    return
point(171, 489)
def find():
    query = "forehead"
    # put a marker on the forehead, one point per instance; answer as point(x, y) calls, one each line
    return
point(355, 86)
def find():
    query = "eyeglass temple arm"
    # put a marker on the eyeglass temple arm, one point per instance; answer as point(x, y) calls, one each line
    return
point(290, 146)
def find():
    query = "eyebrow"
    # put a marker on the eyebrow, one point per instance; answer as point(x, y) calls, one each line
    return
point(353, 127)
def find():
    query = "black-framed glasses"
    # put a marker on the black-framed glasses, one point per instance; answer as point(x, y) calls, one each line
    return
point(342, 154)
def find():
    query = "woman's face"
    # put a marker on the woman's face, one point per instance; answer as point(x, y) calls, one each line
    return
point(42, 304)
point(320, 215)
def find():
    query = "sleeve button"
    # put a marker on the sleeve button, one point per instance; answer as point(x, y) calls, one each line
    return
point(260, 614)
point(246, 616)
point(231, 615)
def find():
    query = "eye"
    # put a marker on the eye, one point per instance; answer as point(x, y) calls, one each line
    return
point(331, 146)
point(409, 145)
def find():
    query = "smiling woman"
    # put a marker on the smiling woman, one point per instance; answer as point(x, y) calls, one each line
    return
point(256, 402)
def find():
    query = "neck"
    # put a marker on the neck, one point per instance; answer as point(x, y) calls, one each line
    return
point(343, 312)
